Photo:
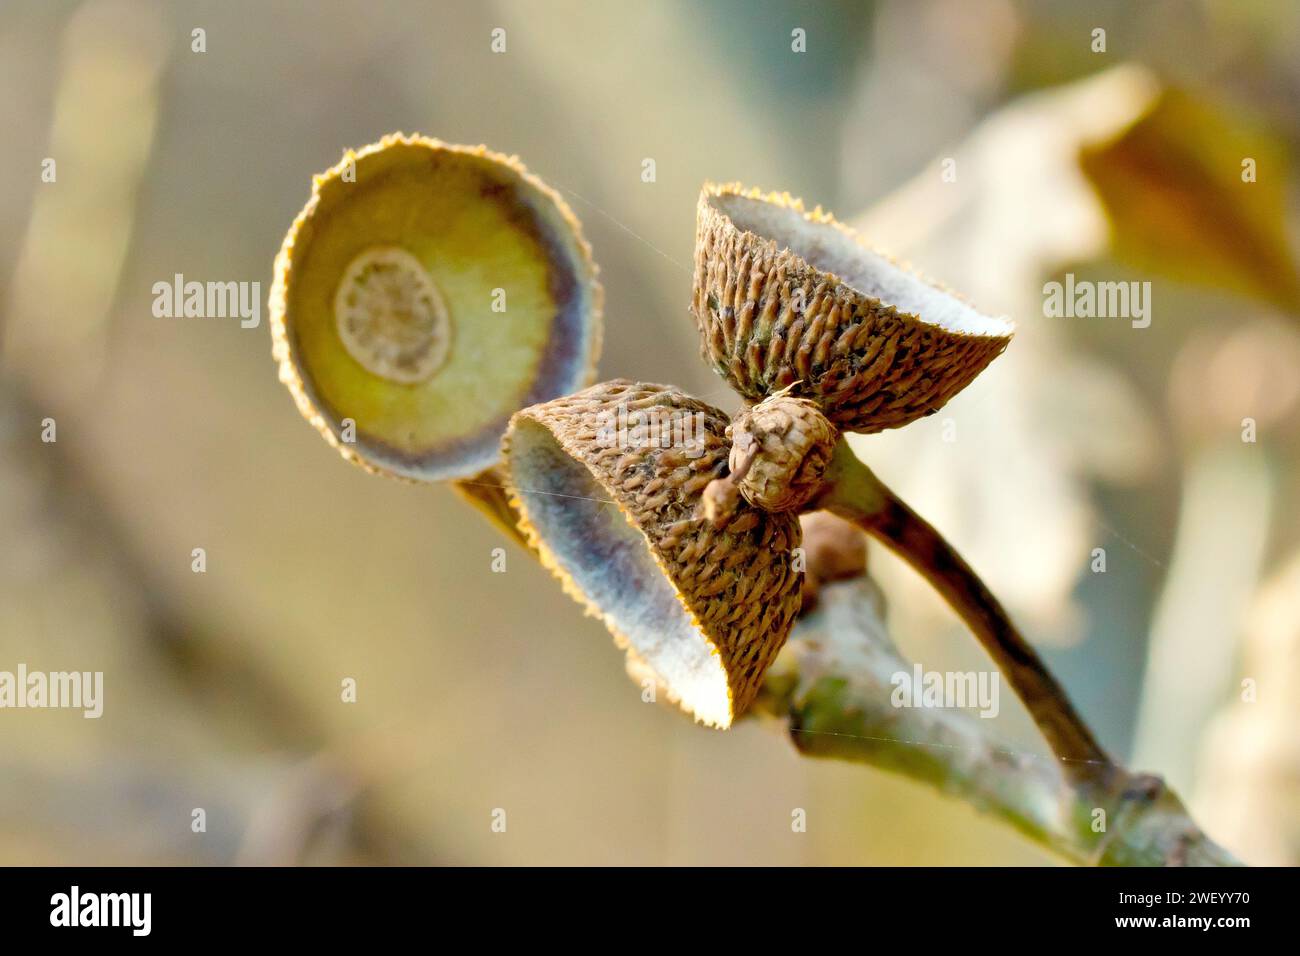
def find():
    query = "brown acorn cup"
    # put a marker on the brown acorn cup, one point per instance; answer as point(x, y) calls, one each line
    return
point(783, 297)
point(608, 486)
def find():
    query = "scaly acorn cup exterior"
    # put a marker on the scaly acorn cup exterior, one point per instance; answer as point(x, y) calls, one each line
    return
point(786, 298)
point(608, 484)
point(424, 294)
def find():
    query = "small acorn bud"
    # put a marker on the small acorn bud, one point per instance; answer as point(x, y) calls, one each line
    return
point(835, 551)
point(779, 450)
point(720, 499)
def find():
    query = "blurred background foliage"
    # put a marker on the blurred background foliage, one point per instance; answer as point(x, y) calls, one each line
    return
point(480, 690)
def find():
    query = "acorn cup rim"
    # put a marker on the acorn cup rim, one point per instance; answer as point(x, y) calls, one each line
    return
point(997, 326)
point(719, 718)
point(468, 456)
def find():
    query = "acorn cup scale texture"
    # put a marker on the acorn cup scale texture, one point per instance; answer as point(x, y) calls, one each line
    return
point(424, 294)
point(608, 484)
point(786, 298)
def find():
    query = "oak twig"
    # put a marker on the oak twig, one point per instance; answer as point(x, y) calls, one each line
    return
point(857, 495)
point(831, 688)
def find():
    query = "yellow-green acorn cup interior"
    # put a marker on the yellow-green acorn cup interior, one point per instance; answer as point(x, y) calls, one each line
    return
point(784, 297)
point(424, 294)
point(608, 484)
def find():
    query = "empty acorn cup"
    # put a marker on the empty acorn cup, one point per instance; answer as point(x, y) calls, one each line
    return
point(788, 298)
point(608, 485)
point(424, 294)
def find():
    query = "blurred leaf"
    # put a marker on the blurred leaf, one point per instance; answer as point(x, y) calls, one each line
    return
point(1251, 797)
point(1172, 187)
point(1030, 437)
